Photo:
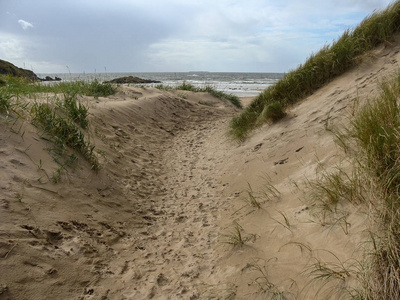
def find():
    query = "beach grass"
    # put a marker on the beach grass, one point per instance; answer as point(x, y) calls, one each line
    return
point(63, 131)
point(373, 140)
point(331, 61)
point(62, 118)
point(4, 101)
point(235, 236)
point(19, 86)
point(377, 132)
point(207, 89)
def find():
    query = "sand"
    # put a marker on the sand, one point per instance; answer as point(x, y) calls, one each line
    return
point(154, 221)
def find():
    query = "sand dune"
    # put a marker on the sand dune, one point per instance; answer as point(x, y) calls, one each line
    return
point(153, 222)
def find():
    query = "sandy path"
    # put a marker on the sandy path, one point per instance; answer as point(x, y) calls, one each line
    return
point(142, 227)
point(179, 255)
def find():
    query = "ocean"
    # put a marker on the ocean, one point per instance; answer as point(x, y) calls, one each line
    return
point(239, 84)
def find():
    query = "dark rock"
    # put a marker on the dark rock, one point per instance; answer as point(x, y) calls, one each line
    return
point(132, 79)
point(8, 68)
point(48, 78)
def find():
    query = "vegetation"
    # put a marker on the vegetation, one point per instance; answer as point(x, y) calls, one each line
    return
point(377, 132)
point(374, 140)
point(62, 120)
point(331, 61)
point(19, 86)
point(234, 236)
point(62, 129)
point(4, 101)
point(264, 283)
point(75, 110)
point(208, 89)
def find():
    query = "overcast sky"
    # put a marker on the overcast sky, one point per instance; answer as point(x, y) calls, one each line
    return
point(50, 36)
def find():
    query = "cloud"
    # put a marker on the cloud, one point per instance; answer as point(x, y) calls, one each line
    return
point(175, 35)
point(24, 24)
point(11, 48)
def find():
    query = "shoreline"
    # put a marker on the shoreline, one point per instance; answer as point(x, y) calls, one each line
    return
point(238, 84)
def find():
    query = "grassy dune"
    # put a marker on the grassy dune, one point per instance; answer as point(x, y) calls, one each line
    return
point(376, 130)
point(331, 61)
point(18, 86)
point(208, 89)
point(63, 118)
point(372, 141)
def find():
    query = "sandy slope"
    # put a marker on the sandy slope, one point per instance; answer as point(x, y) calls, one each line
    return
point(153, 221)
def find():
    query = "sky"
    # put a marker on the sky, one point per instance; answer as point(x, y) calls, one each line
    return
point(49, 36)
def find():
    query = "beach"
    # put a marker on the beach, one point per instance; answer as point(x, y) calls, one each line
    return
point(237, 83)
point(178, 209)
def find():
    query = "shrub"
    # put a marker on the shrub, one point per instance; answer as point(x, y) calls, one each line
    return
point(273, 112)
point(97, 89)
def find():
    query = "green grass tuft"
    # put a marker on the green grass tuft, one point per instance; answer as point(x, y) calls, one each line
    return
point(5, 103)
point(63, 132)
point(273, 112)
point(76, 111)
point(97, 89)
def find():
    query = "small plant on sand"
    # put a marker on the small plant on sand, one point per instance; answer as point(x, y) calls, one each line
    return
point(336, 276)
point(332, 187)
point(63, 132)
point(68, 161)
point(5, 103)
point(269, 191)
point(264, 283)
point(235, 237)
point(286, 222)
point(75, 110)
point(252, 199)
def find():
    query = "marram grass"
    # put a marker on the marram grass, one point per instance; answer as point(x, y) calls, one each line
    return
point(23, 87)
point(330, 62)
point(374, 140)
point(64, 131)
point(64, 120)
point(208, 89)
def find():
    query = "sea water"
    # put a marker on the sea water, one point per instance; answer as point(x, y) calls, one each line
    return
point(239, 84)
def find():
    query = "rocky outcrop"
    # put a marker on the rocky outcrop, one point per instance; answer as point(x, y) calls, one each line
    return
point(132, 79)
point(48, 78)
point(8, 68)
